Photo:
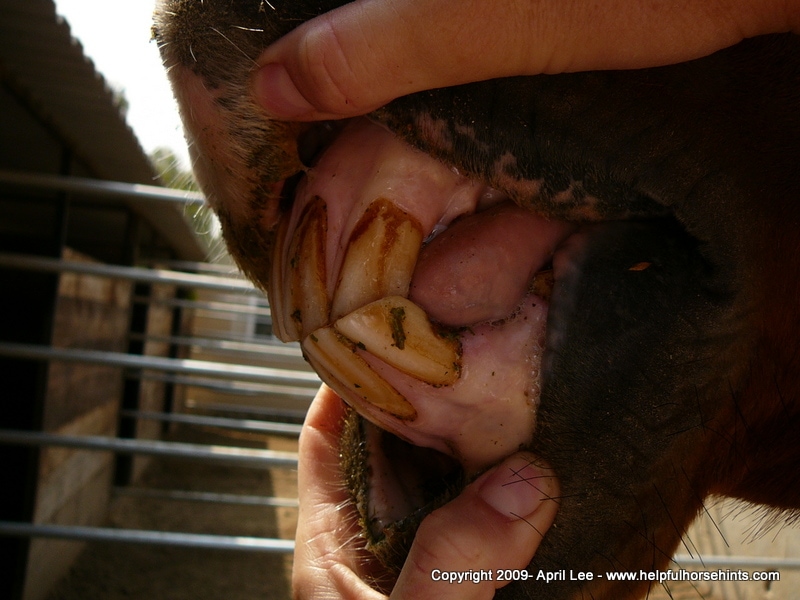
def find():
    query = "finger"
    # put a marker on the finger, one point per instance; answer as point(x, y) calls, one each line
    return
point(358, 57)
point(496, 523)
point(326, 565)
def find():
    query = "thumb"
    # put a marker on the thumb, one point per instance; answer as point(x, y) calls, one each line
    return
point(360, 56)
point(495, 524)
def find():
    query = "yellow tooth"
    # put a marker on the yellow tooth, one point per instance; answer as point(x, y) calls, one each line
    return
point(306, 305)
point(335, 358)
point(379, 259)
point(398, 332)
point(283, 330)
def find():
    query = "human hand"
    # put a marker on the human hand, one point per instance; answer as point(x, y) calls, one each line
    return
point(359, 57)
point(497, 522)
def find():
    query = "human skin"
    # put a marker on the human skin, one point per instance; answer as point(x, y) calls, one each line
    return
point(359, 57)
point(509, 507)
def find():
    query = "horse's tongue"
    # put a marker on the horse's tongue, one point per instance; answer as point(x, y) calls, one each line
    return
point(481, 267)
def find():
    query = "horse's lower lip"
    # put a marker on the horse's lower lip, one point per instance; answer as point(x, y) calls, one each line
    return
point(394, 485)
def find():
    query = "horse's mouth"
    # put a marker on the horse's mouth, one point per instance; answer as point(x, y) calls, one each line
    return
point(428, 301)
point(421, 297)
point(394, 485)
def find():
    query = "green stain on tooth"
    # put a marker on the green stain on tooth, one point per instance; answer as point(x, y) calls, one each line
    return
point(398, 316)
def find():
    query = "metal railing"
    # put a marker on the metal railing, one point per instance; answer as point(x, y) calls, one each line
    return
point(137, 274)
point(104, 191)
point(251, 425)
point(136, 536)
point(282, 374)
point(180, 366)
point(229, 378)
point(244, 457)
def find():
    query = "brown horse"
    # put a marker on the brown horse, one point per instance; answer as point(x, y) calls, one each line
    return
point(601, 267)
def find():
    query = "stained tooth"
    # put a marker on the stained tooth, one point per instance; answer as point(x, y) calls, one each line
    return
point(281, 327)
point(305, 302)
point(379, 258)
point(334, 357)
point(398, 332)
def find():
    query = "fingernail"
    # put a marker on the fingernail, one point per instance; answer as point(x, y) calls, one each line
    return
point(517, 487)
point(276, 92)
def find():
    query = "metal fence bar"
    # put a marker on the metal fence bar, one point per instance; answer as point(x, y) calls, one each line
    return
point(226, 307)
point(272, 413)
point(735, 562)
point(210, 497)
point(108, 190)
point(136, 536)
point(239, 388)
point(228, 270)
point(159, 363)
point(233, 336)
point(283, 356)
point(264, 350)
point(246, 457)
point(250, 425)
point(54, 265)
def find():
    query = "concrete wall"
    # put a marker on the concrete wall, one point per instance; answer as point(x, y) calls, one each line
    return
point(152, 393)
point(73, 486)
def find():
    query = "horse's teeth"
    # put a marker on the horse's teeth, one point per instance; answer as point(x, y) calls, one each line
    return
point(336, 360)
point(398, 332)
point(283, 329)
point(305, 289)
point(379, 259)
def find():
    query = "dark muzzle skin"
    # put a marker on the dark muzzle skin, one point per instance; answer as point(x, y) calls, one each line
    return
point(671, 370)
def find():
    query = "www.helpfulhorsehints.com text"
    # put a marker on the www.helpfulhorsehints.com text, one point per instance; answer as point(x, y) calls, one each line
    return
point(506, 575)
